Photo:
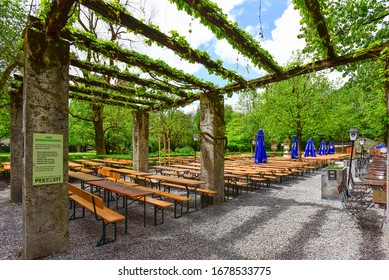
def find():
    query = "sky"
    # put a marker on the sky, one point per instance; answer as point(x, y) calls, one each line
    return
point(276, 20)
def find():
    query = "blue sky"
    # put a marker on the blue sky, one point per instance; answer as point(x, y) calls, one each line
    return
point(279, 23)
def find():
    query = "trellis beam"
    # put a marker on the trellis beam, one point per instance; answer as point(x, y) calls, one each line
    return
point(129, 77)
point(125, 19)
point(311, 67)
point(248, 47)
point(57, 16)
point(318, 19)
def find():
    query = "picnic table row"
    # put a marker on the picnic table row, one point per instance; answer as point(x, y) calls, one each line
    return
point(124, 188)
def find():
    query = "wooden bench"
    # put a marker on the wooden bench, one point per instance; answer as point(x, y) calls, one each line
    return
point(179, 200)
point(257, 181)
point(205, 193)
point(169, 173)
point(86, 170)
point(236, 186)
point(206, 196)
point(167, 186)
point(96, 206)
point(159, 206)
point(282, 174)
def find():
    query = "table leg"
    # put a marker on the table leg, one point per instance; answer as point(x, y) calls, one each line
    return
point(125, 215)
point(188, 190)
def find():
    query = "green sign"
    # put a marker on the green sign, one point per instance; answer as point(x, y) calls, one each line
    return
point(47, 159)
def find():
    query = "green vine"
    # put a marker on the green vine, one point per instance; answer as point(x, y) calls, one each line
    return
point(213, 17)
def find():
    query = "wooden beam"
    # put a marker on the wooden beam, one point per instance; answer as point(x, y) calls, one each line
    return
point(232, 33)
point(136, 59)
point(129, 77)
point(309, 68)
point(104, 95)
point(318, 19)
point(57, 16)
point(97, 100)
point(130, 92)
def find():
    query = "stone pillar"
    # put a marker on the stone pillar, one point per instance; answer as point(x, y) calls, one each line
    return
point(45, 111)
point(17, 146)
point(212, 143)
point(140, 141)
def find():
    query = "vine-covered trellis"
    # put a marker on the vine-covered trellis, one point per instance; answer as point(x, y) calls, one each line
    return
point(165, 86)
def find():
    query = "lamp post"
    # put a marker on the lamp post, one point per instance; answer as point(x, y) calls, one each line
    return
point(362, 141)
point(253, 143)
point(195, 139)
point(353, 136)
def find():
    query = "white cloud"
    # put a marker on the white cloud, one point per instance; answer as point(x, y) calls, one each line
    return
point(281, 46)
point(168, 18)
point(284, 39)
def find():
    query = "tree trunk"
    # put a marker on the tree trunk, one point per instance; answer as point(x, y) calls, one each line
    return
point(99, 128)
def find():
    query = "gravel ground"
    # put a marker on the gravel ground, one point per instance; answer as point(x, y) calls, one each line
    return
point(288, 221)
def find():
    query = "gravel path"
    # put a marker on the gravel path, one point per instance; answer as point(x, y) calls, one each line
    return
point(286, 221)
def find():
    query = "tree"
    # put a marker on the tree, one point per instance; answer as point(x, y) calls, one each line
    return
point(118, 129)
point(172, 124)
point(12, 22)
point(81, 131)
point(293, 107)
point(351, 25)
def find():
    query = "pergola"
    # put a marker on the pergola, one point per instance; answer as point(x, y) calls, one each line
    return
point(40, 105)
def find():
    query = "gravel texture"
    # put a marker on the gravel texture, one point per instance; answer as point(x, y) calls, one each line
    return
point(288, 220)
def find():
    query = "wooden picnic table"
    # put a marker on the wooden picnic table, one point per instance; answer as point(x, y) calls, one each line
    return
point(177, 171)
point(120, 163)
point(75, 166)
point(374, 183)
point(127, 192)
point(189, 184)
point(7, 171)
point(81, 160)
point(127, 171)
point(83, 177)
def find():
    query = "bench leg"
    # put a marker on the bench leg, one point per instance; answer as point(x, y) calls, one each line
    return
point(73, 216)
point(103, 240)
point(204, 200)
point(195, 200)
point(162, 210)
point(176, 203)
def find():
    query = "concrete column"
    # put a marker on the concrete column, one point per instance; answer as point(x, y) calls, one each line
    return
point(140, 141)
point(45, 110)
point(212, 143)
point(17, 146)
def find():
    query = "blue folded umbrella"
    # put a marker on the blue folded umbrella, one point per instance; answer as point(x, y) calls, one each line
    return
point(294, 153)
point(331, 149)
point(310, 150)
point(322, 148)
point(260, 150)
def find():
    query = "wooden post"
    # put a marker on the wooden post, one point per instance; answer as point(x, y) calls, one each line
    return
point(159, 149)
point(168, 150)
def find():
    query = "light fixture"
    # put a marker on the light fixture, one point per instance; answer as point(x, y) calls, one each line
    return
point(353, 134)
point(195, 139)
point(362, 141)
